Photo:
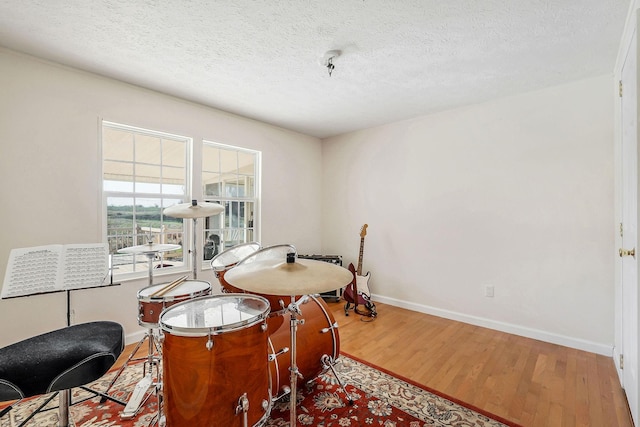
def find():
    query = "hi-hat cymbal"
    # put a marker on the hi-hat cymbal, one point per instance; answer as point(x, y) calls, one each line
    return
point(149, 248)
point(193, 210)
point(277, 277)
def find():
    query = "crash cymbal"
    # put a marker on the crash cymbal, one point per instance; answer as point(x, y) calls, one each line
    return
point(277, 277)
point(149, 248)
point(194, 209)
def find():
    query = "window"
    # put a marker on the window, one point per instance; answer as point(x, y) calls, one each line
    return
point(229, 177)
point(143, 173)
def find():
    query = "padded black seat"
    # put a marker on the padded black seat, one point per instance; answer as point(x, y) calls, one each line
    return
point(59, 360)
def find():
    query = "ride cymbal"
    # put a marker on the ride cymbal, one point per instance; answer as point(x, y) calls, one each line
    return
point(149, 248)
point(193, 210)
point(278, 277)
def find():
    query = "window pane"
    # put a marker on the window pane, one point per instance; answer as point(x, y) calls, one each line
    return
point(211, 245)
point(148, 149)
point(136, 163)
point(117, 145)
point(214, 222)
point(117, 186)
point(173, 175)
point(148, 216)
point(249, 213)
point(173, 189)
point(228, 178)
point(211, 184)
point(250, 187)
point(173, 153)
point(210, 158)
point(231, 188)
point(147, 179)
point(118, 172)
point(229, 161)
point(246, 163)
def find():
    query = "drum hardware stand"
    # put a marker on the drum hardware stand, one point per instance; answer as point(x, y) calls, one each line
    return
point(139, 395)
point(194, 210)
point(150, 256)
point(152, 359)
point(329, 362)
point(243, 406)
point(294, 310)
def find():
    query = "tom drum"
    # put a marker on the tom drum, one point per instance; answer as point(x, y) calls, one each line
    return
point(151, 305)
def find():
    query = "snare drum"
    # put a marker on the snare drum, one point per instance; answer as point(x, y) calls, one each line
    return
point(215, 362)
point(315, 337)
point(150, 306)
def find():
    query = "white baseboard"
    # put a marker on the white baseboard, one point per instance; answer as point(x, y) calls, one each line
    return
point(580, 344)
point(577, 343)
point(134, 337)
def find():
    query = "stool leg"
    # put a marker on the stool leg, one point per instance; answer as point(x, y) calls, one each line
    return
point(37, 411)
point(65, 401)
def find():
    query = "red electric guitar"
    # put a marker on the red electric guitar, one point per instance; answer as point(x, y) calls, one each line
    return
point(357, 292)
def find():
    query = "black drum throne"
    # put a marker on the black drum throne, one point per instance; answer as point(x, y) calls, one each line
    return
point(58, 361)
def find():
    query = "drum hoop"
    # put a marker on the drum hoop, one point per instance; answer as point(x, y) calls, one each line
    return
point(225, 267)
point(266, 249)
point(215, 330)
point(334, 334)
point(149, 298)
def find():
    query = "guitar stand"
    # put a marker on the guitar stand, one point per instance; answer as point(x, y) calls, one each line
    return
point(371, 309)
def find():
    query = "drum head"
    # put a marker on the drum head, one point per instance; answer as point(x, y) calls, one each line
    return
point(233, 255)
point(214, 315)
point(186, 288)
point(275, 252)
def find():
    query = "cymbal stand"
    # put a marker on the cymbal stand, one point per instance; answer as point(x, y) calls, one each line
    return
point(137, 398)
point(294, 310)
point(329, 362)
point(150, 256)
point(194, 256)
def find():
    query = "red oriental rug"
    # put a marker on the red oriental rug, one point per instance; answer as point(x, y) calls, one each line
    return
point(380, 398)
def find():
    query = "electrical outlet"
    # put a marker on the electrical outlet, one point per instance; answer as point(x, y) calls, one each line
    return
point(488, 291)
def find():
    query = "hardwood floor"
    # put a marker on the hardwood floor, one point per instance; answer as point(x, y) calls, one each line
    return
point(529, 382)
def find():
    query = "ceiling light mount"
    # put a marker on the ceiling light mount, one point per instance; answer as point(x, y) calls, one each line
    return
point(327, 60)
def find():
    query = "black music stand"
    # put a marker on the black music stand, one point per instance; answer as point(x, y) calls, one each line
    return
point(23, 280)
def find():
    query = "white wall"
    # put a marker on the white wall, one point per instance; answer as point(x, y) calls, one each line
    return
point(50, 163)
point(516, 193)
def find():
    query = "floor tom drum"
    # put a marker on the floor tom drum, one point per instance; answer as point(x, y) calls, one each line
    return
point(214, 362)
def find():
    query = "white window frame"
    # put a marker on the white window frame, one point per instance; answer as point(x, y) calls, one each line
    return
point(252, 235)
point(140, 272)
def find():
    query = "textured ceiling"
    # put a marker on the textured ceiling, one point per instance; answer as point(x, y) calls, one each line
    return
point(262, 58)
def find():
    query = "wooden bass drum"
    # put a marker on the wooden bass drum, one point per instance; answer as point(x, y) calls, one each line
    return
point(316, 337)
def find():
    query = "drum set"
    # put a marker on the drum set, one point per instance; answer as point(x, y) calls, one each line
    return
point(226, 358)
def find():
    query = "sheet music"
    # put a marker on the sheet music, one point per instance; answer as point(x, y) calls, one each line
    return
point(85, 266)
point(55, 268)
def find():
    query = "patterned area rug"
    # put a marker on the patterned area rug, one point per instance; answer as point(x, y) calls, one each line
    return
point(379, 399)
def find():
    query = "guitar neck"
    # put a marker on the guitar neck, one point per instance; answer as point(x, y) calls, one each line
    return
point(359, 269)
